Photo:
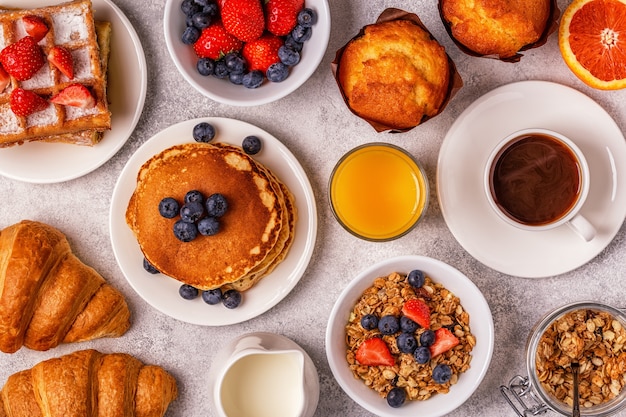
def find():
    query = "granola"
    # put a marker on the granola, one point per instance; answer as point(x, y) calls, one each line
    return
point(596, 340)
point(387, 296)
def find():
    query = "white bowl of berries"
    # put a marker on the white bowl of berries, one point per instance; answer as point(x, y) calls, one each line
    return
point(410, 336)
point(246, 52)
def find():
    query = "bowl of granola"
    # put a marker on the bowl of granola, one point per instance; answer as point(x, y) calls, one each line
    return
point(594, 336)
point(409, 336)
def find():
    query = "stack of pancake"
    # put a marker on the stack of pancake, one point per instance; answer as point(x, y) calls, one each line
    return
point(255, 233)
point(71, 26)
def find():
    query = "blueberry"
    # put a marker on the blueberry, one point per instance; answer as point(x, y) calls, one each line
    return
point(149, 267)
point(251, 145)
point(208, 226)
point(422, 355)
point(301, 34)
point(216, 205)
point(235, 63)
point(205, 66)
point(427, 338)
point(211, 9)
point(406, 342)
point(236, 79)
point(201, 20)
point(388, 324)
point(190, 35)
point(396, 397)
point(188, 292)
point(194, 195)
point(369, 322)
point(169, 208)
point(442, 373)
point(307, 17)
point(288, 56)
point(204, 3)
point(231, 299)
point(277, 72)
point(416, 278)
point(203, 132)
point(253, 79)
point(407, 325)
point(189, 7)
point(185, 232)
point(220, 70)
point(212, 297)
point(292, 44)
point(191, 212)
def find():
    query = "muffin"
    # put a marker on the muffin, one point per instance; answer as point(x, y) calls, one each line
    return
point(394, 74)
point(499, 28)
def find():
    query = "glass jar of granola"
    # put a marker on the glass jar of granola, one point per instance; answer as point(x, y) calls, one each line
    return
point(589, 333)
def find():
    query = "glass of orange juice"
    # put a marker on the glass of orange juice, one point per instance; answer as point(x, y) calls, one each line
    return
point(378, 191)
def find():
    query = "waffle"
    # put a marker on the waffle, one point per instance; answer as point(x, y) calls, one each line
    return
point(71, 25)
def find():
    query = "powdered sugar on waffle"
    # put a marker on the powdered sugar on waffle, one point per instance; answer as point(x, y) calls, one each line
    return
point(8, 121)
point(46, 117)
point(69, 27)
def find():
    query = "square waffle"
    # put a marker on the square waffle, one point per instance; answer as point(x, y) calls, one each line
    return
point(72, 26)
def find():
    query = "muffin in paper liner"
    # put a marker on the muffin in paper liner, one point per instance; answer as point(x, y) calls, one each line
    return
point(453, 81)
point(478, 32)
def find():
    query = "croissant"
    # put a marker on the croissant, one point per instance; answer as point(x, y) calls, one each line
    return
point(48, 296)
point(88, 383)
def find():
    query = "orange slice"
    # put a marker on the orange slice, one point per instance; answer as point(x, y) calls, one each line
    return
point(592, 40)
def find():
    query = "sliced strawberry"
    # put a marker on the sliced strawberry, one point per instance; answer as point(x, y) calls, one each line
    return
point(23, 58)
point(35, 27)
point(444, 341)
point(25, 102)
point(5, 79)
point(373, 352)
point(262, 53)
point(243, 19)
point(281, 16)
point(215, 42)
point(62, 59)
point(418, 311)
point(75, 95)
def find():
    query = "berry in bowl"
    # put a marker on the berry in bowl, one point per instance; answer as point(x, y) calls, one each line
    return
point(410, 336)
point(246, 52)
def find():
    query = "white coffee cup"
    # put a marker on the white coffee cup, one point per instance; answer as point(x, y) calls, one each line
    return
point(537, 179)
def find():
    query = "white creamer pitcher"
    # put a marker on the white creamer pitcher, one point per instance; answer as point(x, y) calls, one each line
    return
point(263, 375)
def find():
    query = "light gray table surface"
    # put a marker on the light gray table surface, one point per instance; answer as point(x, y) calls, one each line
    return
point(316, 126)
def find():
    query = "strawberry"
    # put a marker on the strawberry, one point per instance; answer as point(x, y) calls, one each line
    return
point(75, 95)
point(23, 58)
point(262, 53)
point(25, 102)
point(444, 341)
point(35, 27)
point(62, 59)
point(215, 42)
point(373, 352)
point(5, 79)
point(281, 16)
point(243, 19)
point(418, 311)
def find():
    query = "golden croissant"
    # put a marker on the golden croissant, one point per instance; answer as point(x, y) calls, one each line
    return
point(48, 296)
point(88, 383)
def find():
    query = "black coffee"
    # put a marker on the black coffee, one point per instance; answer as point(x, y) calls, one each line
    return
point(536, 180)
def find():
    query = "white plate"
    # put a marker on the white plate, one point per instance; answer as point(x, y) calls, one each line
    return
point(223, 91)
point(464, 153)
point(481, 324)
point(161, 291)
point(127, 82)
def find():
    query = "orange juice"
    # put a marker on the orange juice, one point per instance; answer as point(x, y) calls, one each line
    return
point(378, 191)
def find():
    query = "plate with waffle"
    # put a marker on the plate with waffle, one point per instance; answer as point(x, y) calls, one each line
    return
point(266, 235)
point(73, 84)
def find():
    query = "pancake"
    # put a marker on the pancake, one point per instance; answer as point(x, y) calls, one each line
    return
point(249, 231)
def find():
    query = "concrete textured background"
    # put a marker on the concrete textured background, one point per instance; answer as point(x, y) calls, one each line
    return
point(316, 126)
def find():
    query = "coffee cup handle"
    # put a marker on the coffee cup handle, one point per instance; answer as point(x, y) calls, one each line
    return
point(582, 227)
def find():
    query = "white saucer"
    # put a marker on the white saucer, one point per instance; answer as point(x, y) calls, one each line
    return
point(268, 341)
point(43, 163)
point(465, 150)
point(161, 291)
